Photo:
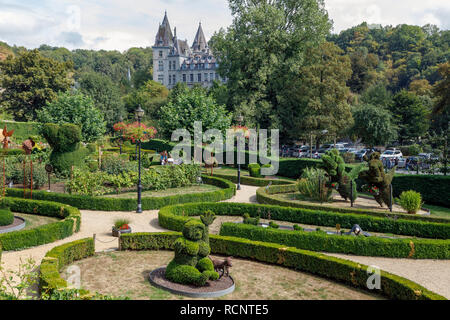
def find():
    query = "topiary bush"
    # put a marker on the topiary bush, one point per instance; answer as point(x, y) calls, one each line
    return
point(191, 252)
point(6, 217)
point(66, 148)
point(250, 220)
point(334, 165)
point(255, 170)
point(411, 201)
point(376, 177)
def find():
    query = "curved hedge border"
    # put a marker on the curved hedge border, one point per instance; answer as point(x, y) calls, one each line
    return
point(59, 257)
point(344, 271)
point(174, 217)
point(70, 223)
point(252, 181)
point(265, 196)
point(148, 203)
point(361, 246)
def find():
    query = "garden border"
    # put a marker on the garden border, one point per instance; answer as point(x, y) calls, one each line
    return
point(48, 233)
point(174, 217)
point(228, 190)
point(337, 269)
point(264, 196)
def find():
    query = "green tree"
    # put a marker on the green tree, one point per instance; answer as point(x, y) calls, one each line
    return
point(78, 109)
point(151, 96)
point(106, 96)
point(30, 81)
point(263, 49)
point(411, 115)
point(377, 95)
point(316, 99)
point(374, 125)
point(190, 106)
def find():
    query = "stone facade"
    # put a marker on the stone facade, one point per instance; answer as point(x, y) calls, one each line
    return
point(175, 61)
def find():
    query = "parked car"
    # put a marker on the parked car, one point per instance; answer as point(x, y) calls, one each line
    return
point(297, 150)
point(401, 162)
point(359, 155)
point(391, 153)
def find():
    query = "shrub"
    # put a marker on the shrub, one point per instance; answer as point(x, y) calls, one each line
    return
point(68, 225)
point(14, 172)
point(349, 157)
point(87, 183)
point(116, 164)
point(255, 170)
point(249, 220)
point(273, 225)
point(297, 227)
point(411, 201)
point(313, 184)
point(227, 190)
point(319, 240)
point(6, 217)
point(173, 217)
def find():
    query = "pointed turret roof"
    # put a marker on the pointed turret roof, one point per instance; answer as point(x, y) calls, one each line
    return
point(164, 37)
point(200, 43)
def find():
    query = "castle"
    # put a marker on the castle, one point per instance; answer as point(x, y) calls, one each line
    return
point(174, 61)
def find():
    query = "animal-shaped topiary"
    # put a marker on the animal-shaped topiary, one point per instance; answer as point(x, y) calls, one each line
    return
point(376, 177)
point(334, 165)
point(65, 143)
point(191, 264)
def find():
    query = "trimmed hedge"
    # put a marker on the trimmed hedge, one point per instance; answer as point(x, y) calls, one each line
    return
point(340, 270)
point(6, 217)
point(434, 189)
point(174, 217)
point(59, 257)
point(251, 181)
point(124, 204)
point(361, 246)
point(70, 223)
point(265, 196)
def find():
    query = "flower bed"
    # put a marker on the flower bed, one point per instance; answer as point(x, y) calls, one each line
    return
point(68, 225)
point(228, 190)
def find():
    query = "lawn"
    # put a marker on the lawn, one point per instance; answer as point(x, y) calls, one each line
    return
point(33, 221)
point(126, 274)
point(168, 192)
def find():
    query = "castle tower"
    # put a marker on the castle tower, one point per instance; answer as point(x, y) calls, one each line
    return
point(161, 50)
point(200, 44)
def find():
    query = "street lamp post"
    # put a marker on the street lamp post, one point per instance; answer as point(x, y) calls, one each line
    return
point(240, 119)
point(139, 115)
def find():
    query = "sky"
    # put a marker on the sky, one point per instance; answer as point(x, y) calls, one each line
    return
point(119, 24)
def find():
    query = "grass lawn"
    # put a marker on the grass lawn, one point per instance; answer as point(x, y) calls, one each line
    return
point(126, 274)
point(438, 211)
point(167, 192)
point(33, 221)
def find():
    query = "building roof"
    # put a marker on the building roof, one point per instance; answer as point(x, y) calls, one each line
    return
point(200, 43)
point(164, 37)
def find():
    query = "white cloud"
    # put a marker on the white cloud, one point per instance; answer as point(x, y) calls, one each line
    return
point(118, 24)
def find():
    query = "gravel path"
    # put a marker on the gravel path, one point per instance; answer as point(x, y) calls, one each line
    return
point(432, 274)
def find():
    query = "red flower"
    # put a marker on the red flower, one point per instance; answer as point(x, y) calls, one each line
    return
point(124, 227)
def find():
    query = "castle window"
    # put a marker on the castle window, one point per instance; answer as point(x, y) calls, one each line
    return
point(211, 76)
point(161, 78)
point(160, 66)
point(160, 54)
point(192, 77)
point(184, 77)
point(174, 79)
point(206, 77)
point(199, 77)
